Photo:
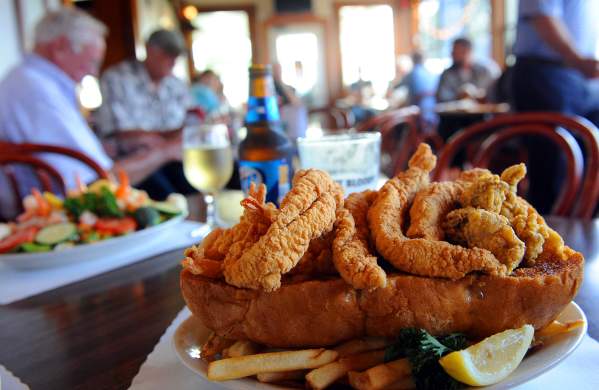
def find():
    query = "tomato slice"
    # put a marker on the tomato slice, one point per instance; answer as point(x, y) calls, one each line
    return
point(17, 238)
point(116, 225)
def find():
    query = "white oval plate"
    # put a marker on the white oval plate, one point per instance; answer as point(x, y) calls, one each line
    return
point(191, 334)
point(86, 252)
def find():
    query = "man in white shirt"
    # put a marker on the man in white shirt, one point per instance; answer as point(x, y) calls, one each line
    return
point(38, 103)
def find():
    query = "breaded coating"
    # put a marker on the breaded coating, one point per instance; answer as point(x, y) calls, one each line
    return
point(306, 212)
point(318, 259)
point(352, 255)
point(432, 204)
point(486, 192)
point(478, 228)
point(528, 224)
point(419, 256)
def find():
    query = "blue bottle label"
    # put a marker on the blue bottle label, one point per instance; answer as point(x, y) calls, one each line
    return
point(275, 174)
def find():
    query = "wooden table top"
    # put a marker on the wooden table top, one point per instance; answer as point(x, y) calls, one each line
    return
point(95, 334)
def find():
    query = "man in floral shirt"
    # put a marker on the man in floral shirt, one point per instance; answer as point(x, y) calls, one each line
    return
point(144, 105)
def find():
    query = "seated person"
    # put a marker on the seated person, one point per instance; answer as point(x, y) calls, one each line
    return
point(38, 102)
point(420, 84)
point(144, 105)
point(465, 78)
point(204, 92)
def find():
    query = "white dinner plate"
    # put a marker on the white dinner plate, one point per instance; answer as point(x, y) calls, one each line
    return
point(87, 252)
point(191, 334)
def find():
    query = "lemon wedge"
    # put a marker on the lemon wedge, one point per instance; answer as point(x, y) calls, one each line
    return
point(491, 360)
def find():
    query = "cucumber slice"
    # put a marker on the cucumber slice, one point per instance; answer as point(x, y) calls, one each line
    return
point(32, 247)
point(55, 234)
point(166, 208)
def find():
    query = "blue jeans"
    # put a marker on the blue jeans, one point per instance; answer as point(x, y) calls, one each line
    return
point(550, 87)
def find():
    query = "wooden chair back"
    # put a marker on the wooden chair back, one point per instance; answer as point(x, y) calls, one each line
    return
point(333, 118)
point(49, 178)
point(401, 134)
point(555, 127)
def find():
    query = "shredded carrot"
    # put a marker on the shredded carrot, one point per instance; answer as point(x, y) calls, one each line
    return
point(43, 207)
point(124, 189)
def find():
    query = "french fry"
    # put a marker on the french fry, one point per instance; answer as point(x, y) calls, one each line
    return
point(205, 267)
point(214, 345)
point(240, 348)
point(324, 376)
point(273, 377)
point(355, 346)
point(557, 327)
point(242, 366)
point(381, 376)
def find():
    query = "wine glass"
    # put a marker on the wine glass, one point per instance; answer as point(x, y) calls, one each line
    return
point(207, 161)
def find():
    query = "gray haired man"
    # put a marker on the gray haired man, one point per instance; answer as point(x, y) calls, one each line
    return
point(38, 104)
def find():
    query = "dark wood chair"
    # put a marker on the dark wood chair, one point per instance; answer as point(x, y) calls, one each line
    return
point(401, 133)
point(49, 178)
point(557, 128)
point(332, 118)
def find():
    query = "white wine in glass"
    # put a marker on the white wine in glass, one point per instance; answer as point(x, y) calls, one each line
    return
point(207, 161)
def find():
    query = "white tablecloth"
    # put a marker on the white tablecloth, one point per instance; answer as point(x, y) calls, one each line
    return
point(162, 369)
point(16, 284)
point(9, 382)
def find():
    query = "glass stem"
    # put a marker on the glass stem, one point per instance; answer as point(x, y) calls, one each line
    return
point(210, 217)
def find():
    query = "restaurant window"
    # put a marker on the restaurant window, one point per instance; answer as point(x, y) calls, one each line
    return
point(221, 42)
point(366, 35)
point(511, 23)
point(298, 56)
point(442, 21)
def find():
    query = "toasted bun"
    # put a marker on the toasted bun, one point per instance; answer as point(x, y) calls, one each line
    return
point(326, 312)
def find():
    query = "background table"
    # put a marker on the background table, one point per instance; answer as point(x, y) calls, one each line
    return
point(95, 334)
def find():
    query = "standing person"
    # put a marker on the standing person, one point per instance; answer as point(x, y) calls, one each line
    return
point(293, 112)
point(38, 103)
point(555, 50)
point(555, 62)
point(465, 78)
point(144, 104)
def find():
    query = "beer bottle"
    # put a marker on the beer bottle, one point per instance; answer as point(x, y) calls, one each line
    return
point(265, 155)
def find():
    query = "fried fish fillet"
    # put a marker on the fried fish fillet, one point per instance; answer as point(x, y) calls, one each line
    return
point(471, 227)
point(306, 212)
point(352, 255)
point(419, 256)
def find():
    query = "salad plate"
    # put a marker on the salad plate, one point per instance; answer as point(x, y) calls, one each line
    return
point(91, 251)
point(190, 335)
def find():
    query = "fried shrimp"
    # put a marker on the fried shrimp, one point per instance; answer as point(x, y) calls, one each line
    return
point(420, 256)
point(306, 212)
point(352, 255)
point(478, 228)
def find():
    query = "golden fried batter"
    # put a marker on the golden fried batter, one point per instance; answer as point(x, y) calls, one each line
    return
point(351, 250)
point(420, 256)
point(306, 212)
point(478, 228)
point(487, 192)
point(435, 201)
